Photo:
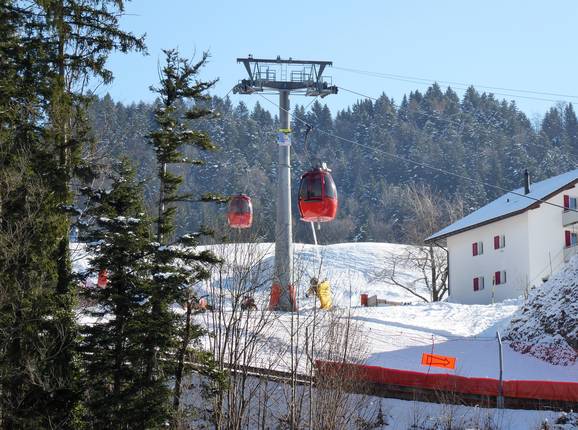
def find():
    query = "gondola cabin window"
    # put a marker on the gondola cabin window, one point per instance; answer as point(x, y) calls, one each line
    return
point(312, 188)
point(240, 206)
point(330, 190)
point(315, 189)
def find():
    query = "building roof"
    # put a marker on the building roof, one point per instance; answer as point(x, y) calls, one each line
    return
point(509, 204)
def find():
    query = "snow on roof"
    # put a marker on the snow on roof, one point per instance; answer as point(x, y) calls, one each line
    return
point(508, 205)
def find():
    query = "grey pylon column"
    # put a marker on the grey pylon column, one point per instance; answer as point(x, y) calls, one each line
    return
point(283, 227)
point(306, 78)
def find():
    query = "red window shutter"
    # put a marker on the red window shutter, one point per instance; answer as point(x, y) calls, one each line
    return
point(476, 284)
point(497, 277)
point(496, 242)
point(568, 238)
point(474, 249)
point(566, 201)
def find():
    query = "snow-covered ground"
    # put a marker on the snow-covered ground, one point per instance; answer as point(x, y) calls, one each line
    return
point(352, 268)
point(547, 325)
point(393, 336)
point(403, 415)
point(396, 336)
point(395, 414)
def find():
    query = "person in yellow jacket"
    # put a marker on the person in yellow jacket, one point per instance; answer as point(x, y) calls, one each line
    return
point(322, 290)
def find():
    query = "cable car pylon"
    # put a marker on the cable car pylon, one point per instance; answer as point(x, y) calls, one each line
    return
point(285, 77)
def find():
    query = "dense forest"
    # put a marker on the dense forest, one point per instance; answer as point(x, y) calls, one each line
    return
point(485, 141)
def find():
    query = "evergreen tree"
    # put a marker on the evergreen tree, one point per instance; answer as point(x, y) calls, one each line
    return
point(571, 128)
point(177, 265)
point(49, 50)
point(552, 126)
point(33, 393)
point(117, 394)
point(479, 136)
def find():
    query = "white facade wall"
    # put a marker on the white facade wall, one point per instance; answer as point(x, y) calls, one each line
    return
point(535, 248)
point(513, 258)
point(546, 239)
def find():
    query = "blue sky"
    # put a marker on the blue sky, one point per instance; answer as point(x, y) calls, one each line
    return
point(522, 45)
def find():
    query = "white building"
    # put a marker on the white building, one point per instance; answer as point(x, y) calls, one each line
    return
point(514, 243)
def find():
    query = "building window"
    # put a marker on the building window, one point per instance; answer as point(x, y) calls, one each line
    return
point(479, 283)
point(569, 202)
point(477, 248)
point(570, 238)
point(499, 277)
point(499, 242)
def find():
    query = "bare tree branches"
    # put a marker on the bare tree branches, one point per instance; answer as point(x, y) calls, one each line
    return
point(430, 212)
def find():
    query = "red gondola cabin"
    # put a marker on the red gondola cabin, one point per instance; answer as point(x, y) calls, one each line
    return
point(240, 213)
point(317, 196)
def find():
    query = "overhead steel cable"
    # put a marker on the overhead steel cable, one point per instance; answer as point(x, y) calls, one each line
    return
point(307, 125)
point(513, 96)
point(439, 118)
point(412, 110)
point(423, 165)
point(414, 79)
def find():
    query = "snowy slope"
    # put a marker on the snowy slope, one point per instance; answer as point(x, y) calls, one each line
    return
point(404, 415)
point(397, 336)
point(352, 268)
point(547, 325)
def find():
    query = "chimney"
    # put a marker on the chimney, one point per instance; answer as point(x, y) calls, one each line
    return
point(526, 182)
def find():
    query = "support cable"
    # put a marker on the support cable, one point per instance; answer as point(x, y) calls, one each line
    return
point(428, 166)
point(428, 81)
point(307, 130)
point(447, 120)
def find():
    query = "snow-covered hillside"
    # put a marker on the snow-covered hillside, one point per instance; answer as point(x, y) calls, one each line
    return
point(547, 325)
point(393, 336)
point(352, 269)
point(399, 336)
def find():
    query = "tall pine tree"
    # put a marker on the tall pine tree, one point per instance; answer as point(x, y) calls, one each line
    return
point(117, 394)
point(49, 51)
point(177, 265)
point(33, 391)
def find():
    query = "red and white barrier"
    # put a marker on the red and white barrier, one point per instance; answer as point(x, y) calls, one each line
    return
point(538, 390)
